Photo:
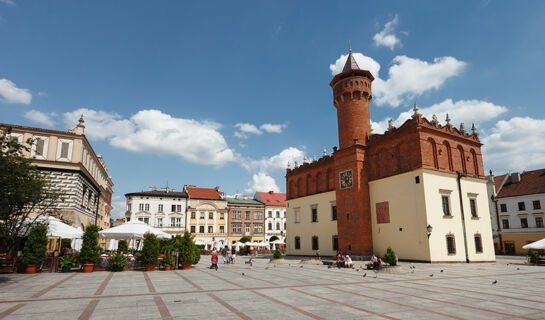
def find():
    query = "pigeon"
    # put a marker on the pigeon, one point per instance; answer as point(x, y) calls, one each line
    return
point(412, 271)
point(364, 275)
point(518, 268)
point(300, 266)
point(266, 268)
point(495, 281)
point(441, 270)
point(431, 275)
point(243, 273)
point(275, 265)
point(329, 266)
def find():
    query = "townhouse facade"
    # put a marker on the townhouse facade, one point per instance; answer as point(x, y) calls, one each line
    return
point(246, 219)
point(275, 215)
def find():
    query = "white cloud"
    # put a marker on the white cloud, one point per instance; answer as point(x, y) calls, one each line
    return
point(11, 94)
point(515, 144)
point(261, 182)
point(40, 117)
point(276, 162)
point(466, 111)
point(386, 37)
point(155, 132)
point(408, 78)
point(8, 2)
point(272, 128)
point(119, 205)
point(42, 94)
point(244, 129)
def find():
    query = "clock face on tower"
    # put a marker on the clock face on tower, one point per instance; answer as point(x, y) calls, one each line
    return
point(345, 179)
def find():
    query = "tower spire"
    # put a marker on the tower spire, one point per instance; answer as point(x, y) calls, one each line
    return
point(351, 63)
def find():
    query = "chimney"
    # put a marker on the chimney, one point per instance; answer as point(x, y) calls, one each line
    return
point(152, 189)
point(217, 188)
point(515, 177)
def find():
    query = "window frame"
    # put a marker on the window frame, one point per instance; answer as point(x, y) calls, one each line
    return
point(521, 205)
point(45, 148)
point(315, 243)
point(478, 244)
point(449, 252)
point(68, 157)
point(297, 243)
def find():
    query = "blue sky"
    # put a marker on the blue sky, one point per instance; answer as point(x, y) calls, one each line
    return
point(225, 93)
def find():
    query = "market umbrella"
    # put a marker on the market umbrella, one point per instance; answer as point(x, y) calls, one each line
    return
point(538, 245)
point(57, 228)
point(132, 230)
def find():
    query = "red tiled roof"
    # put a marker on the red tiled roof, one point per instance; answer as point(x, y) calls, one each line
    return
point(531, 182)
point(204, 193)
point(498, 181)
point(272, 199)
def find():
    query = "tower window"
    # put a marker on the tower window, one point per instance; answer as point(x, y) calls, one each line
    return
point(446, 206)
point(417, 179)
point(315, 245)
point(335, 243)
point(297, 243)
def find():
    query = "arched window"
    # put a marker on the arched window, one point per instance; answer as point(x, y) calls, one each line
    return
point(319, 184)
point(475, 162)
point(462, 158)
point(300, 187)
point(434, 150)
point(329, 177)
point(293, 189)
point(449, 155)
point(309, 185)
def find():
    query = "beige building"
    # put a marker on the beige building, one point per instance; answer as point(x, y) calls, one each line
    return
point(67, 159)
point(207, 216)
point(402, 208)
point(312, 224)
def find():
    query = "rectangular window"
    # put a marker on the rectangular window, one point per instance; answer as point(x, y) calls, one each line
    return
point(173, 208)
point(278, 214)
point(201, 229)
point(314, 214)
point(523, 223)
point(503, 207)
point(505, 224)
point(222, 216)
point(202, 215)
point(278, 226)
point(160, 208)
point(247, 215)
point(473, 207)
point(446, 206)
point(178, 222)
point(296, 216)
point(159, 222)
point(537, 204)
point(247, 228)
point(172, 222)
point(40, 147)
point(258, 228)
point(335, 243)
point(270, 225)
point(297, 243)
point(129, 207)
point(192, 229)
point(478, 243)
point(236, 228)
point(210, 229)
point(147, 207)
point(193, 215)
point(539, 222)
point(334, 212)
point(270, 214)
point(141, 207)
point(64, 149)
point(179, 208)
point(258, 215)
point(522, 206)
point(315, 244)
point(222, 229)
point(451, 245)
point(210, 215)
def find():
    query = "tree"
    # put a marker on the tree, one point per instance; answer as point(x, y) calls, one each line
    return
point(123, 246)
point(390, 257)
point(89, 247)
point(151, 249)
point(35, 248)
point(25, 193)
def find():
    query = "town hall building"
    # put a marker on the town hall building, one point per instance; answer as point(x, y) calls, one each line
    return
point(419, 188)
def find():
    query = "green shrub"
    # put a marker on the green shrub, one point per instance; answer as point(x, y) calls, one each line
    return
point(532, 256)
point(245, 239)
point(168, 260)
point(196, 254)
point(68, 260)
point(123, 246)
point(89, 247)
point(277, 254)
point(151, 249)
point(117, 262)
point(35, 248)
point(390, 257)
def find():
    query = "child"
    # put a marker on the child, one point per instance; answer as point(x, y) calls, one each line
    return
point(214, 261)
point(251, 261)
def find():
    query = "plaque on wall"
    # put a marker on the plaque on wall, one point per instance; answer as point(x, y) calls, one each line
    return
point(383, 212)
point(345, 179)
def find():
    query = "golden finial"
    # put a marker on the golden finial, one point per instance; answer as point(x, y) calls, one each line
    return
point(349, 47)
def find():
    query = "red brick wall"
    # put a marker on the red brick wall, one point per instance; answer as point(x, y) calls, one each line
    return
point(310, 178)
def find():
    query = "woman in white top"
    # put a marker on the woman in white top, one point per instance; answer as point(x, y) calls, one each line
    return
point(348, 262)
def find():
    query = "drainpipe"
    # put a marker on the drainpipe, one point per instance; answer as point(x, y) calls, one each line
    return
point(498, 222)
point(460, 175)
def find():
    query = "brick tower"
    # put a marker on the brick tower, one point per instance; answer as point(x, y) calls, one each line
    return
point(351, 97)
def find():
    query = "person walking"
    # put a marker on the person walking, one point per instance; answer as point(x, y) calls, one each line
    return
point(234, 253)
point(224, 254)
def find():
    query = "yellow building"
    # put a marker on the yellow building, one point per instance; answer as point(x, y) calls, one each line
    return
point(207, 216)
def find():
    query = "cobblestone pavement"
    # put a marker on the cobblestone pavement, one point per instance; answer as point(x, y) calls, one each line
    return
point(282, 291)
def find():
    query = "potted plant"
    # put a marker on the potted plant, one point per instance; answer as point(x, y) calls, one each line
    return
point(150, 251)
point(187, 250)
point(123, 246)
point(390, 257)
point(117, 262)
point(277, 254)
point(532, 256)
point(167, 262)
point(67, 261)
point(35, 249)
point(89, 248)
